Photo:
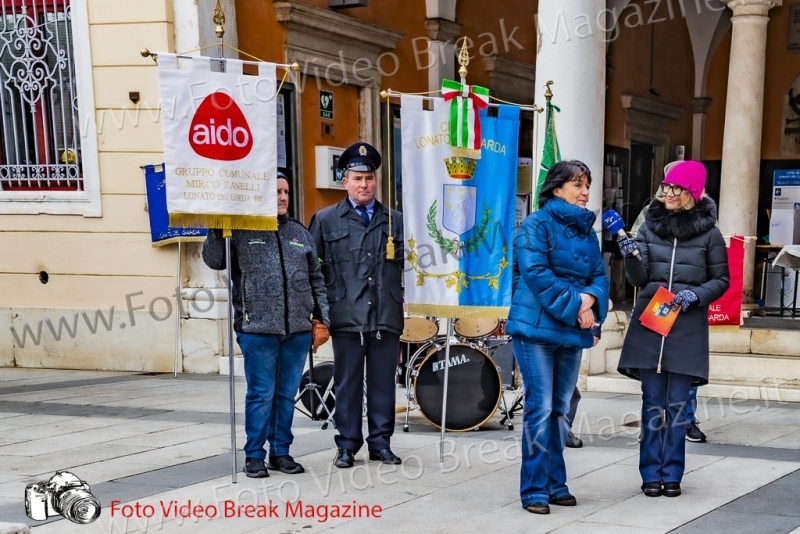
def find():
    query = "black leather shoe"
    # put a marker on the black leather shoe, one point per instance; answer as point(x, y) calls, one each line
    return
point(538, 508)
point(566, 500)
point(255, 468)
point(652, 489)
point(386, 456)
point(285, 464)
point(672, 489)
point(573, 442)
point(344, 458)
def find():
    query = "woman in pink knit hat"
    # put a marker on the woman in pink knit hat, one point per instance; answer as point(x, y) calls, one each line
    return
point(679, 248)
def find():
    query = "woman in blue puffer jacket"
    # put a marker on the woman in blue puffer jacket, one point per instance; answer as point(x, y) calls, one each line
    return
point(560, 300)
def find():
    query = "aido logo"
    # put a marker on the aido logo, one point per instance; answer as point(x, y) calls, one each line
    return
point(219, 130)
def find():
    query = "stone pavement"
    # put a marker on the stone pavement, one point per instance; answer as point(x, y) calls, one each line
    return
point(153, 440)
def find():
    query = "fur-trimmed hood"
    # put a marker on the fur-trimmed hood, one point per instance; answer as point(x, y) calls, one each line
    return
point(682, 224)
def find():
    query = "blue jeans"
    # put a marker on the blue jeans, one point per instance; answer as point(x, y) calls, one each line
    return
point(550, 373)
point(662, 452)
point(691, 405)
point(273, 367)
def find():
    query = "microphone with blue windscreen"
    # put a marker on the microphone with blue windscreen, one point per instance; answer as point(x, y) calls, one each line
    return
point(614, 224)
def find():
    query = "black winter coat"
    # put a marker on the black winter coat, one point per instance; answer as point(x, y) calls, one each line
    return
point(365, 290)
point(700, 265)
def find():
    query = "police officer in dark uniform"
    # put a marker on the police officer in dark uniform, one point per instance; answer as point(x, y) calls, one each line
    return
point(365, 295)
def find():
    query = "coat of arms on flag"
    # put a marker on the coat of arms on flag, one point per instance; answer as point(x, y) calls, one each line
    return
point(458, 209)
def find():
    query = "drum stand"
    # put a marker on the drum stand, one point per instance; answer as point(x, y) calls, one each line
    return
point(508, 414)
point(313, 388)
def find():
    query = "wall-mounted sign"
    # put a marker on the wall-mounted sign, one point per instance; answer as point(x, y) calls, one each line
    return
point(326, 105)
point(793, 42)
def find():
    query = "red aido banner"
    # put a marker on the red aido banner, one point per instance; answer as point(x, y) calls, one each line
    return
point(727, 311)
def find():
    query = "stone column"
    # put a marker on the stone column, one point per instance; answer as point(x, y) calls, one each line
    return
point(576, 62)
point(699, 114)
point(204, 333)
point(441, 51)
point(741, 148)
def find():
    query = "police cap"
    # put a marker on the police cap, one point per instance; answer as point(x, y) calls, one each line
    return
point(361, 157)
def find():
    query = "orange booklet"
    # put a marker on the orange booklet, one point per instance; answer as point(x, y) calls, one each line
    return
point(658, 316)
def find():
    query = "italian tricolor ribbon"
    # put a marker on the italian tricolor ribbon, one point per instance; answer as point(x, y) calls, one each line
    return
point(465, 123)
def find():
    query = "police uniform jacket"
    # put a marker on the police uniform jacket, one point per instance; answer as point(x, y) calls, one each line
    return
point(365, 290)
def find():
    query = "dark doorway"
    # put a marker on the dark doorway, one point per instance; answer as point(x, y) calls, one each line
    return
point(639, 186)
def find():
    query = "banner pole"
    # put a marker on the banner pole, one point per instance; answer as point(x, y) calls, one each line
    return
point(218, 17)
point(446, 379)
point(177, 317)
point(231, 369)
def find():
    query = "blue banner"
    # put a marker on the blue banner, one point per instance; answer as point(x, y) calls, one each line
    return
point(161, 232)
point(494, 189)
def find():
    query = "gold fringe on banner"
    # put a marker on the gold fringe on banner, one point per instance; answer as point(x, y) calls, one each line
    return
point(460, 152)
point(226, 222)
point(723, 329)
point(458, 312)
point(186, 239)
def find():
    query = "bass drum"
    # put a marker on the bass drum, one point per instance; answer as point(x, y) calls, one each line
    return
point(473, 392)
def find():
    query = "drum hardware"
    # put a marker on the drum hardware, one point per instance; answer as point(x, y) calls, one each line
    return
point(516, 404)
point(309, 393)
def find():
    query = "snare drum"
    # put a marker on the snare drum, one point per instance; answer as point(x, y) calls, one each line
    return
point(418, 330)
point(473, 392)
point(475, 328)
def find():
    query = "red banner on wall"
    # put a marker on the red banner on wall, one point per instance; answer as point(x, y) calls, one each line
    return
point(727, 311)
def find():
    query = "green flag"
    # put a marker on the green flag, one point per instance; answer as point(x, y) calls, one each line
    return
point(551, 154)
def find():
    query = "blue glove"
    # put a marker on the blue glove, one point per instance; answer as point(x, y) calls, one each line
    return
point(627, 245)
point(683, 299)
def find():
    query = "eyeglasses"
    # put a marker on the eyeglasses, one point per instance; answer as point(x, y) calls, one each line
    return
point(675, 189)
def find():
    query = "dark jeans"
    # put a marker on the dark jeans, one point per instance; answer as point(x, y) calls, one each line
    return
point(273, 367)
point(662, 451)
point(550, 373)
point(691, 405)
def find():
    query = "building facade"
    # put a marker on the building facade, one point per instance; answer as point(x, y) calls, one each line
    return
point(638, 83)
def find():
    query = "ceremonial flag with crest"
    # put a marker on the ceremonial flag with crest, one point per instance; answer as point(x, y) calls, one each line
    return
point(458, 213)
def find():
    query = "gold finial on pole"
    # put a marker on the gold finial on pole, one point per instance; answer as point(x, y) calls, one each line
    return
point(218, 17)
point(463, 60)
point(548, 93)
point(147, 53)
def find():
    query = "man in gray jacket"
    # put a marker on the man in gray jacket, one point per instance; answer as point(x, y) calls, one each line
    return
point(277, 288)
point(366, 297)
